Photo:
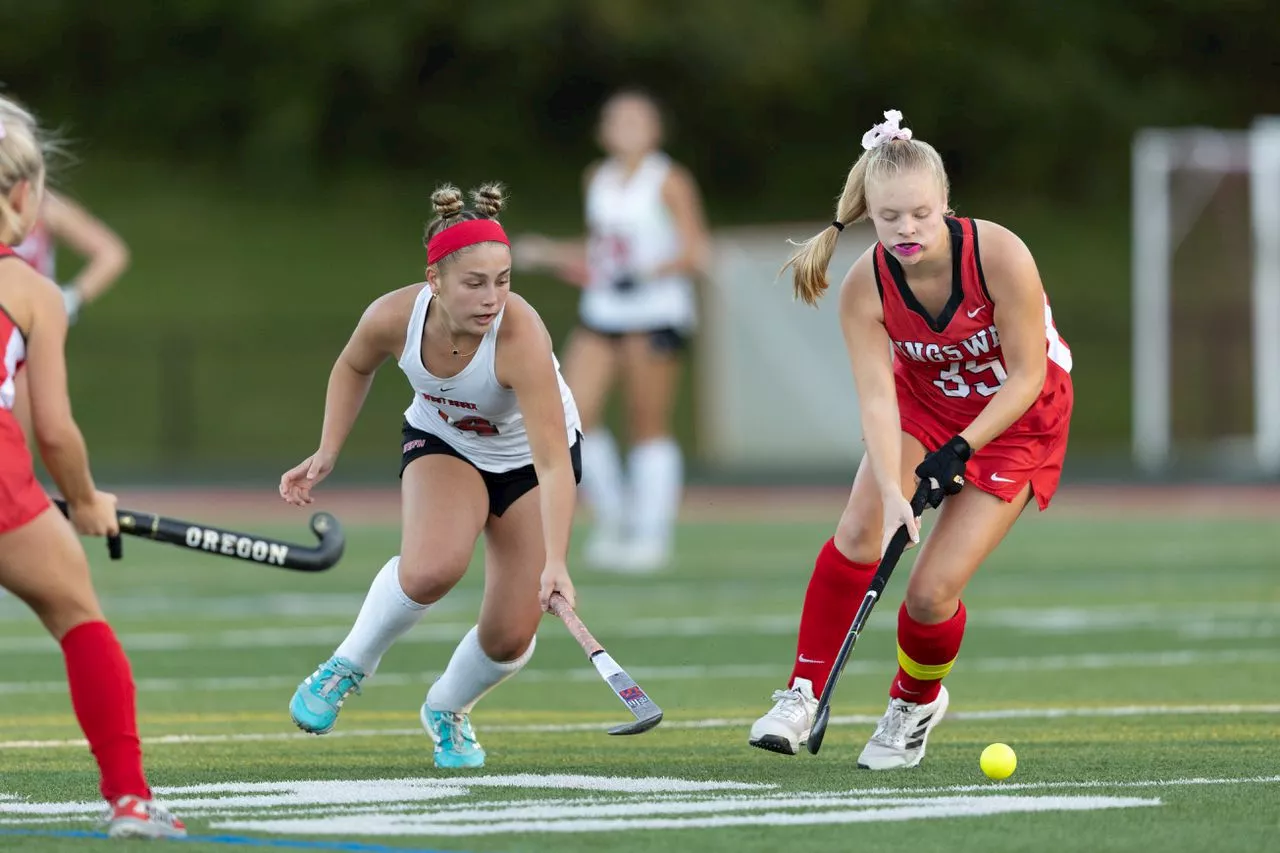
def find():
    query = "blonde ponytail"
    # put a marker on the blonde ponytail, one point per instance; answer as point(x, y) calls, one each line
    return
point(889, 150)
point(810, 261)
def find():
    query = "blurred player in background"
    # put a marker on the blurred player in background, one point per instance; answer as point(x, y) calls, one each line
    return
point(41, 560)
point(647, 241)
point(961, 378)
point(490, 446)
point(63, 221)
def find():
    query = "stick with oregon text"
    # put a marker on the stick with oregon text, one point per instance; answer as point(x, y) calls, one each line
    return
point(647, 714)
point(231, 543)
point(888, 562)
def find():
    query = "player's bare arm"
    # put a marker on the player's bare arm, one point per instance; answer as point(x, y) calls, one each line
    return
point(1018, 296)
point(680, 194)
point(59, 439)
point(525, 364)
point(105, 252)
point(378, 335)
point(870, 356)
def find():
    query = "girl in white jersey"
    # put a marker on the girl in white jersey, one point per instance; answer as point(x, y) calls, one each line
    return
point(647, 242)
point(490, 445)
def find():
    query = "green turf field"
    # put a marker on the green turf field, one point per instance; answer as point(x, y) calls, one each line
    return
point(1133, 664)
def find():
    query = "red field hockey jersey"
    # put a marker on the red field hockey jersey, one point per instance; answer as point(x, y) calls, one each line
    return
point(953, 363)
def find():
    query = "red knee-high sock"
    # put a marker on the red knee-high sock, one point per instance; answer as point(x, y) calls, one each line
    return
point(925, 655)
point(102, 694)
point(835, 592)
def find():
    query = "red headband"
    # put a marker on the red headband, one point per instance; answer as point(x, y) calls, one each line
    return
point(464, 234)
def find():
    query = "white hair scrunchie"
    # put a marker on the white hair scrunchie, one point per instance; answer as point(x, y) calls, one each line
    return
point(887, 131)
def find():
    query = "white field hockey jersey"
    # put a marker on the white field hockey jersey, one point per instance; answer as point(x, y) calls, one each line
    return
point(472, 411)
point(37, 250)
point(630, 230)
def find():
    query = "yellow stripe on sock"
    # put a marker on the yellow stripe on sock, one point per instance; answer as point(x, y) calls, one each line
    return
point(923, 671)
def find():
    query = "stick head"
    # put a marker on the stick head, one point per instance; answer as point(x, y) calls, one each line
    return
point(638, 727)
point(333, 541)
point(819, 730)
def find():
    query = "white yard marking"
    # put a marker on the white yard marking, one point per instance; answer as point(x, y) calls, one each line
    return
point(1231, 619)
point(709, 723)
point(549, 819)
point(730, 671)
point(465, 805)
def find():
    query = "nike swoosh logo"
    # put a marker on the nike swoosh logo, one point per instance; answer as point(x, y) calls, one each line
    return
point(974, 312)
point(444, 390)
point(996, 478)
point(804, 659)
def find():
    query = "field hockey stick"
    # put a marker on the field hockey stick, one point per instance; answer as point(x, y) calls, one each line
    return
point(232, 543)
point(647, 714)
point(888, 562)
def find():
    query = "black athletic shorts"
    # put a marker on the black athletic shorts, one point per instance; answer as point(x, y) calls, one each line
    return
point(504, 489)
point(667, 339)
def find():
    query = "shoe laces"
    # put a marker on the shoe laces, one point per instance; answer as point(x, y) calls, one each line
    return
point(456, 729)
point(790, 704)
point(336, 676)
point(892, 729)
point(153, 810)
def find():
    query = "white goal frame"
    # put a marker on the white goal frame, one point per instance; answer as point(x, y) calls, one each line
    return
point(1157, 153)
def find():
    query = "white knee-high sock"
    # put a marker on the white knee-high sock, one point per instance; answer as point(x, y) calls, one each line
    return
point(387, 613)
point(471, 674)
point(657, 481)
point(602, 480)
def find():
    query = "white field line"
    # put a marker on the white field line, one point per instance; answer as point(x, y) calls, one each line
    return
point(712, 672)
point(384, 798)
point(1243, 619)
point(548, 820)
point(710, 723)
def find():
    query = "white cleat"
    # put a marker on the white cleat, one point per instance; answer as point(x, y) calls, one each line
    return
point(902, 733)
point(134, 817)
point(786, 727)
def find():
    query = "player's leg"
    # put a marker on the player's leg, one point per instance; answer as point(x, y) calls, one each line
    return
point(443, 505)
point(931, 622)
point(651, 368)
point(43, 564)
point(590, 364)
point(841, 574)
point(503, 640)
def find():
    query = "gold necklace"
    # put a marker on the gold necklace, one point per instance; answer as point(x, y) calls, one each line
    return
point(473, 352)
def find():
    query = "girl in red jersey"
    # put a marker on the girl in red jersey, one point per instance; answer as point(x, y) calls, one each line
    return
point(961, 378)
point(41, 560)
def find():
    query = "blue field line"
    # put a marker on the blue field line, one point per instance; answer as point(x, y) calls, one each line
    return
point(245, 841)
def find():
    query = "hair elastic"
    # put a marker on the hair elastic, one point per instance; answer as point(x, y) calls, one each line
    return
point(837, 224)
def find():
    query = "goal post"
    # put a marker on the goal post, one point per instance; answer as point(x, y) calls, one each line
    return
point(1163, 216)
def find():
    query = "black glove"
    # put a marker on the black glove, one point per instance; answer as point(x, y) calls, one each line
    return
point(943, 470)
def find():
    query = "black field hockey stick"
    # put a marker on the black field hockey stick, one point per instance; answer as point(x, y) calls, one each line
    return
point(888, 563)
point(231, 543)
point(647, 714)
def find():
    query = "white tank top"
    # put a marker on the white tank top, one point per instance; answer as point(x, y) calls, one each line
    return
point(37, 250)
point(630, 230)
point(472, 411)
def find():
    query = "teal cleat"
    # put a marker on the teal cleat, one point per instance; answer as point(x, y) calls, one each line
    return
point(455, 740)
point(318, 699)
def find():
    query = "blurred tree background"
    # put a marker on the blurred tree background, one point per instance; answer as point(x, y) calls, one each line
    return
point(269, 162)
